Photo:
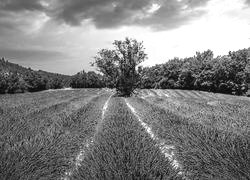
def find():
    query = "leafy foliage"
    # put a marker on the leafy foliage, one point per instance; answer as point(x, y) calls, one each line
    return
point(228, 74)
point(119, 69)
point(87, 80)
point(119, 65)
point(16, 79)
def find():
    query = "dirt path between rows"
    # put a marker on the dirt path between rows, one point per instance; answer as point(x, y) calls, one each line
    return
point(123, 147)
point(167, 150)
point(80, 156)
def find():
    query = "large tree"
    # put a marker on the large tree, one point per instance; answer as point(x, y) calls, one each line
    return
point(119, 65)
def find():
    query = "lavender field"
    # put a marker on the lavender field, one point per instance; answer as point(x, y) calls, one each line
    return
point(155, 134)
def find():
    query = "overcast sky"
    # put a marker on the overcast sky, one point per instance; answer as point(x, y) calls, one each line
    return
point(63, 35)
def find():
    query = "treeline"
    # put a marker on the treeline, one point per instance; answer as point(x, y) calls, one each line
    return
point(228, 74)
point(17, 79)
point(87, 80)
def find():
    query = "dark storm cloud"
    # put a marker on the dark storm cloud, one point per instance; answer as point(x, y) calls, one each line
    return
point(110, 13)
point(173, 14)
point(17, 14)
point(6, 27)
point(195, 3)
point(12, 23)
point(30, 55)
point(20, 5)
point(247, 2)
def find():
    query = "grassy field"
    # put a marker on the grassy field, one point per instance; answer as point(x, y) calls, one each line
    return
point(157, 134)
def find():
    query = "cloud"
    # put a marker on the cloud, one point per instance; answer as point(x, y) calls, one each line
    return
point(173, 14)
point(107, 14)
point(247, 2)
point(20, 5)
point(18, 16)
point(111, 14)
point(14, 23)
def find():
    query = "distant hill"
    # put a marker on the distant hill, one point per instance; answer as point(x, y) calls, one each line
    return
point(8, 67)
point(15, 78)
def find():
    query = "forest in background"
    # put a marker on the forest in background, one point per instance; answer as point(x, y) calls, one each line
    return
point(229, 74)
point(17, 79)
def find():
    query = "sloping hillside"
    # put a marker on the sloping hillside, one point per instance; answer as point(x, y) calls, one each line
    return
point(15, 78)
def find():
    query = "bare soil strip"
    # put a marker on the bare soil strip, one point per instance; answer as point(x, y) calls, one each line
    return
point(123, 150)
point(167, 150)
point(89, 142)
point(105, 107)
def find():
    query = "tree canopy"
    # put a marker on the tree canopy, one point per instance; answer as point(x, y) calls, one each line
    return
point(119, 65)
point(119, 68)
point(228, 74)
